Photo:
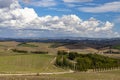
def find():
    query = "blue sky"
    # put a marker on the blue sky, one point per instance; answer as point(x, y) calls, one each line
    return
point(56, 18)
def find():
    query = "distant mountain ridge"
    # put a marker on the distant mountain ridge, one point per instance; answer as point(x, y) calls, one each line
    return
point(70, 38)
point(59, 39)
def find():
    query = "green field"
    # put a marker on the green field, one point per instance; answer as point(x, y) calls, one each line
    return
point(27, 63)
point(27, 45)
point(116, 47)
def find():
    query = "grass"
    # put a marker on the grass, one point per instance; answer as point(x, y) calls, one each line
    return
point(36, 46)
point(55, 45)
point(112, 55)
point(40, 46)
point(116, 47)
point(110, 75)
point(27, 45)
point(27, 63)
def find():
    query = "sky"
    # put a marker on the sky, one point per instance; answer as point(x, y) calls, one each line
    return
point(59, 18)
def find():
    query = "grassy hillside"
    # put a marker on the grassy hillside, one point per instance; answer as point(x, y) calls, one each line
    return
point(51, 48)
point(14, 62)
point(116, 47)
point(22, 62)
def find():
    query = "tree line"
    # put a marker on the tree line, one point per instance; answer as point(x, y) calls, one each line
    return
point(84, 62)
point(24, 51)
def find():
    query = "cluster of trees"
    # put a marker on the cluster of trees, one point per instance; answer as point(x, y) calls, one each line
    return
point(35, 52)
point(39, 52)
point(83, 62)
point(19, 51)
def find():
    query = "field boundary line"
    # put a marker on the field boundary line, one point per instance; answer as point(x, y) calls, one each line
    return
point(34, 74)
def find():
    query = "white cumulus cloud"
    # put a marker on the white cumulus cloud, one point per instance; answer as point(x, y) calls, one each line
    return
point(25, 21)
point(5, 3)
